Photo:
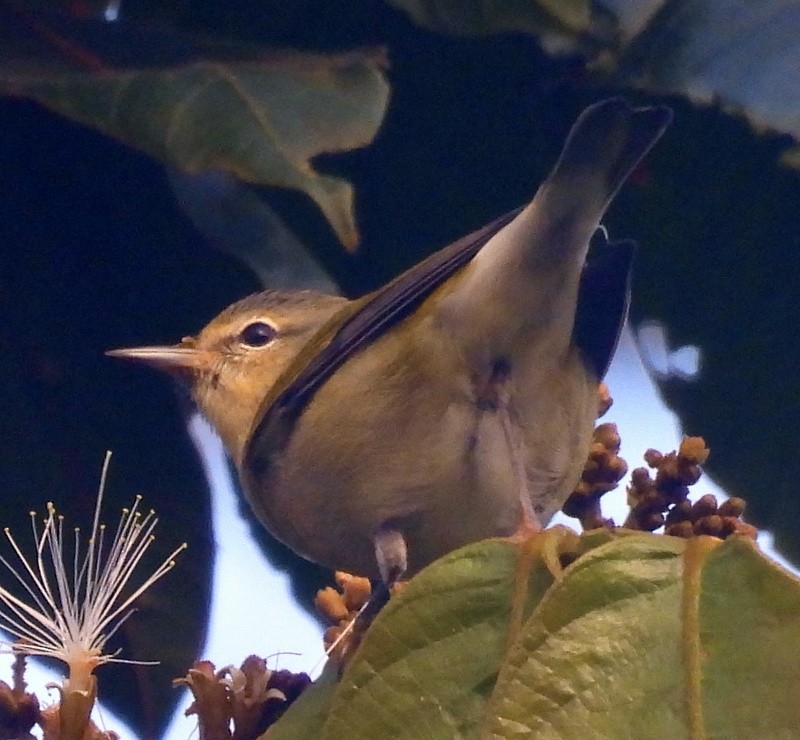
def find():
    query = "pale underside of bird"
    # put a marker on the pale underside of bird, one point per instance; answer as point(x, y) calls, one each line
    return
point(454, 404)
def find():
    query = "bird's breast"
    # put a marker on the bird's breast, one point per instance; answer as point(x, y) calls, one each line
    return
point(434, 449)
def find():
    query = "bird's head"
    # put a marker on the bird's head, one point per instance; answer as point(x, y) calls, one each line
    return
point(232, 364)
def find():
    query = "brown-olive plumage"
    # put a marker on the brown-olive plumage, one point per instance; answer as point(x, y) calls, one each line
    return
point(472, 410)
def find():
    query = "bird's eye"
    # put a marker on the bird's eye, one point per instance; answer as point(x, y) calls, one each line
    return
point(257, 334)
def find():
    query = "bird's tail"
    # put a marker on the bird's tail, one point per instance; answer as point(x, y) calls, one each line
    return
point(604, 146)
point(525, 279)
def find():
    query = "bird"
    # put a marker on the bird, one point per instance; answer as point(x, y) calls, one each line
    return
point(453, 404)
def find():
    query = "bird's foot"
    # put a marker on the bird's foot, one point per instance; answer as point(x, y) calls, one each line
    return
point(391, 553)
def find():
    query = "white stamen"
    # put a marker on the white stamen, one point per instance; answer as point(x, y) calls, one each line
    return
point(72, 615)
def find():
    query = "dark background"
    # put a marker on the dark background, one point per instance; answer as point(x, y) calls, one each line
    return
point(95, 254)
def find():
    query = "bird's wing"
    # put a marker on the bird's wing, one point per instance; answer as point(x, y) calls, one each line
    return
point(357, 325)
point(387, 306)
point(603, 300)
point(602, 308)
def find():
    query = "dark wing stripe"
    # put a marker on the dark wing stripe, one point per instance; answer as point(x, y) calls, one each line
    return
point(388, 306)
point(603, 300)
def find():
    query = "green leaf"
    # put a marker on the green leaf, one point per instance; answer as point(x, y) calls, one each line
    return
point(429, 661)
point(304, 719)
point(642, 636)
point(655, 637)
point(261, 120)
point(738, 53)
point(601, 657)
point(749, 619)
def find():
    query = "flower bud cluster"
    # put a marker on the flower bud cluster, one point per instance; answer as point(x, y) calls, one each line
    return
point(705, 516)
point(340, 608)
point(19, 710)
point(602, 472)
point(663, 500)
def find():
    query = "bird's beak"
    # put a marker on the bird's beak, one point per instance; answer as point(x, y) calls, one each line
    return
point(178, 359)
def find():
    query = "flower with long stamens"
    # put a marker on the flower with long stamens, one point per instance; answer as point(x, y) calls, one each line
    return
point(74, 607)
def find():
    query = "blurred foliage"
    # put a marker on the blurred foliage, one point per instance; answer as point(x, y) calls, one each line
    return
point(261, 118)
point(101, 256)
point(641, 636)
point(557, 24)
point(734, 52)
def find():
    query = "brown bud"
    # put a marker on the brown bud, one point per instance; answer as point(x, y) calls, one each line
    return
point(582, 488)
point(668, 469)
point(341, 577)
point(608, 436)
point(592, 473)
point(728, 526)
point(688, 474)
point(748, 530)
point(704, 506)
point(733, 506)
point(576, 505)
point(619, 466)
point(640, 478)
point(19, 711)
point(597, 451)
point(679, 529)
point(650, 502)
point(604, 400)
point(613, 470)
point(652, 521)
point(356, 592)
point(605, 473)
point(694, 450)
point(330, 605)
point(711, 524)
point(653, 458)
point(637, 495)
point(331, 635)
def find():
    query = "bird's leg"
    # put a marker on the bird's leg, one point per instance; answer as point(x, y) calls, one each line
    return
point(496, 397)
point(528, 521)
point(392, 556)
point(391, 553)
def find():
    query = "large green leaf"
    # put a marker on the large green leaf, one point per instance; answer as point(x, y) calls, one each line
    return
point(642, 636)
point(659, 638)
point(262, 119)
point(748, 619)
point(602, 656)
point(431, 659)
